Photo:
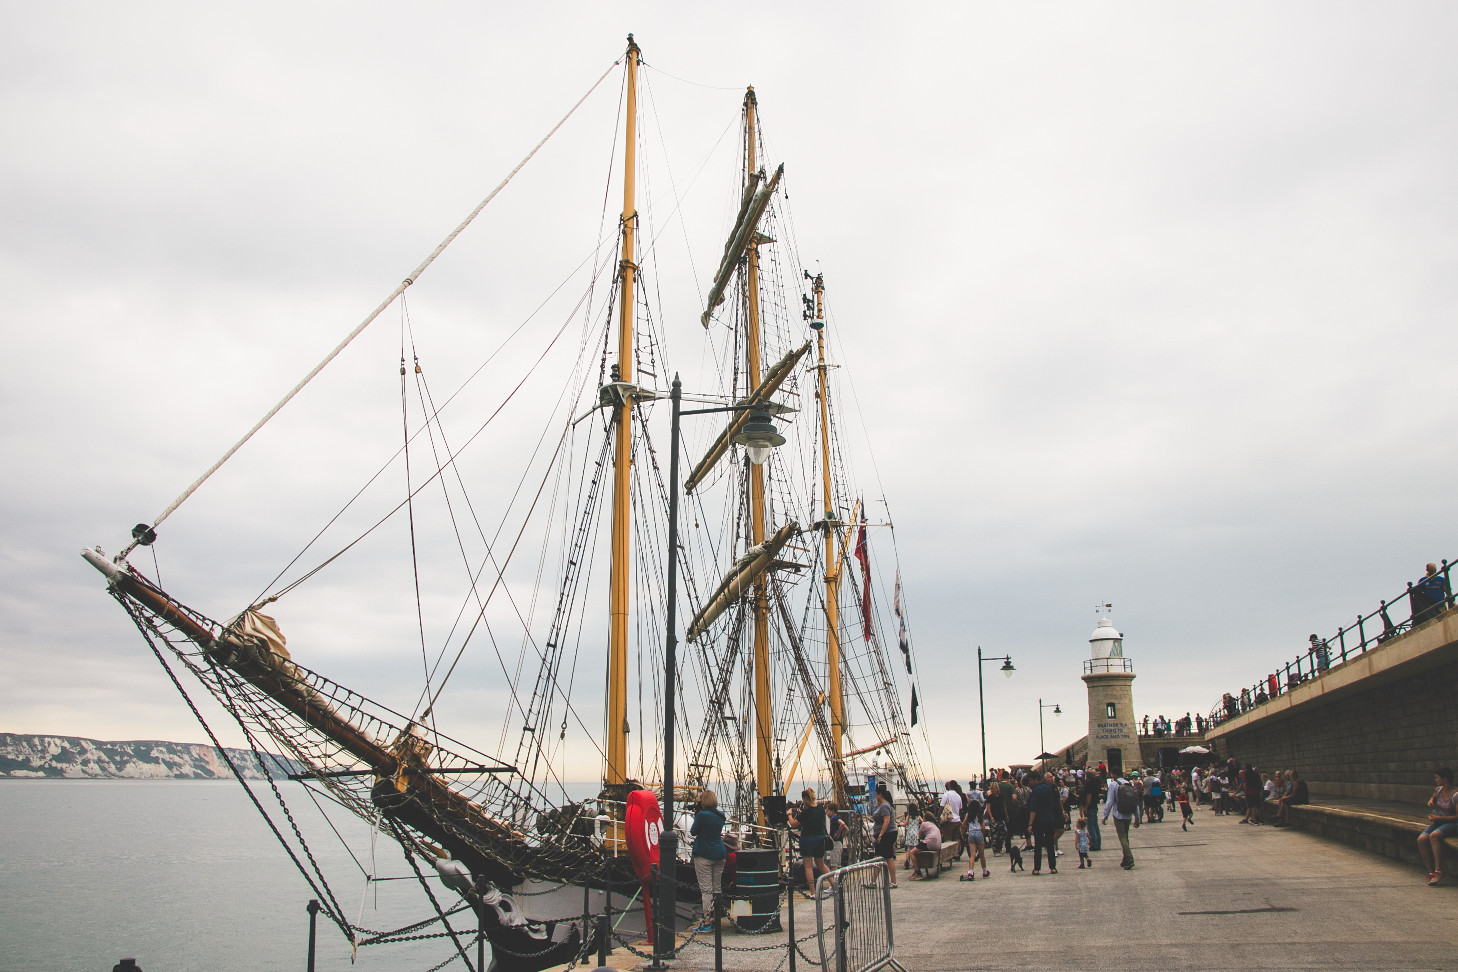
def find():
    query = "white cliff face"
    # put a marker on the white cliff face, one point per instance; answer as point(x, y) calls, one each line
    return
point(69, 757)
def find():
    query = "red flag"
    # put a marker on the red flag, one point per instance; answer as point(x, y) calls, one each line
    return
point(863, 554)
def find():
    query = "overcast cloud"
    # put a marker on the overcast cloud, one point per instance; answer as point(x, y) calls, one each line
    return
point(1142, 303)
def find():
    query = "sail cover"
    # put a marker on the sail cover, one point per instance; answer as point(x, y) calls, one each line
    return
point(751, 209)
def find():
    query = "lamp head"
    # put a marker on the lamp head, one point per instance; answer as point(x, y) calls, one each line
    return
point(759, 436)
point(1007, 668)
point(1057, 711)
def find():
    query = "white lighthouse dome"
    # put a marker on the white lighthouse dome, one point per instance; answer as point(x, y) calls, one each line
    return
point(1106, 641)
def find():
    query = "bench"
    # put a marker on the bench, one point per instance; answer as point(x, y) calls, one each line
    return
point(1389, 829)
point(929, 863)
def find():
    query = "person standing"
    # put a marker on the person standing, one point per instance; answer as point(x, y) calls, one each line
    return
point(997, 819)
point(836, 832)
point(1429, 596)
point(1093, 796)
point(1045, 816)
point(709, 853)
point(1123, 803)
point(811, 820)
point(883, 825)
point(976, 842)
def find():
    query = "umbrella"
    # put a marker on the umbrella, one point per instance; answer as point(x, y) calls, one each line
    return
point(1056, 756)
point(1195, 749)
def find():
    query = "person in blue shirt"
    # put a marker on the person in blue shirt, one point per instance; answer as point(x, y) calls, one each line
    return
point(708, 854)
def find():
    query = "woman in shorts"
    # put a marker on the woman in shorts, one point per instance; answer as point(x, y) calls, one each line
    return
point(976, 841)
point(812, 823)
point(1442, 822)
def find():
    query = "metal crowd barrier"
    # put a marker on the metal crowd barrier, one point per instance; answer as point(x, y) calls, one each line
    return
point(853, 918)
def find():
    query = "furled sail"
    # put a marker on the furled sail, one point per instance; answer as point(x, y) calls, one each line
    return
point(746, 570)
point(751, 209)
point(771, 384)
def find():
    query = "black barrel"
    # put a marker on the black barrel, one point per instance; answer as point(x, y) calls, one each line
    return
point(757, 880)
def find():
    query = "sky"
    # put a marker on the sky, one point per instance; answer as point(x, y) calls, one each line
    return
point(1142, 304)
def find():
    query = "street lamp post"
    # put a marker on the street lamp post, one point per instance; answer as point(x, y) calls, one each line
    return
point(1042, 746)
point(1007, 670)
point(759, 437)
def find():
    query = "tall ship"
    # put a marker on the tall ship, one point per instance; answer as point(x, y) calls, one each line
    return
point(735, 625)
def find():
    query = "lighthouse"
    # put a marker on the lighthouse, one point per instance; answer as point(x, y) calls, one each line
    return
point(1113, 736)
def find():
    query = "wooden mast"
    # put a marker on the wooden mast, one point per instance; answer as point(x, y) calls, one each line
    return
point(617, 695)
point(836, 698)
point(764, 770)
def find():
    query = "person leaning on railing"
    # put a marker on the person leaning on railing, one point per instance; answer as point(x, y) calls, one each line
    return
point(1430, 595)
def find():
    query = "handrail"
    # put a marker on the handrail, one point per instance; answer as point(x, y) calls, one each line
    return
point(1105, 665)
point(1425, 602)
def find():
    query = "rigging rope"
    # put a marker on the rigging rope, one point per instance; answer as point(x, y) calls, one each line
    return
point(414, 275)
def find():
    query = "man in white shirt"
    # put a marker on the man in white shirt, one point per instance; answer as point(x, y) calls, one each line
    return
point(1122, 816)
point(951, 798)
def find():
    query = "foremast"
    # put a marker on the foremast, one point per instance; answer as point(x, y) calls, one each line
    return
point(615, 772)
point(764, 767)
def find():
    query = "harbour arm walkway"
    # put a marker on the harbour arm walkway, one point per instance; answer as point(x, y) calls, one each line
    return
point(1222, 895)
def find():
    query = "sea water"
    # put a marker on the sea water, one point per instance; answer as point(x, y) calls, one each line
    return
point(185, 875)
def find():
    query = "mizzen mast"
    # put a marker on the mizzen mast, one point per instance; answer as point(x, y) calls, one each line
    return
point(620, 571)
point(764, 771)
point(834, 693)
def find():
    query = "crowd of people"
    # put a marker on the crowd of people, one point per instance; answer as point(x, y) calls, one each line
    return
point(1160, 726)
point(1012, 812)
point(1015, 811)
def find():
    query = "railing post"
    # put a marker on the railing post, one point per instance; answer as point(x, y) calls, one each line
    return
point(790, 919)
point(313, 909)
point(719, 932)
point(1361, 633)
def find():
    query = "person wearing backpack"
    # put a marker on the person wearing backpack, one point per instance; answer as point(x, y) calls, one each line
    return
point(1123, 803)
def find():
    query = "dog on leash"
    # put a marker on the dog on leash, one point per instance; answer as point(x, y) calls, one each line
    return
point(1015, 855)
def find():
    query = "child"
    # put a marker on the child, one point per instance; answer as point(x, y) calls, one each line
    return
point(1081, 842)
point(1185, 808)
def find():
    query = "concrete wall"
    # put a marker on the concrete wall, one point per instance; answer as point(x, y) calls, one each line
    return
point(1375, 726)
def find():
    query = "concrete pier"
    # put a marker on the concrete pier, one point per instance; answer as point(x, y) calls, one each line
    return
point(1223, 895)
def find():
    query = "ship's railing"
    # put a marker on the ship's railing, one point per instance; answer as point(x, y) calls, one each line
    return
point(853, 919)
point(1092, 666)
point(1426, 599)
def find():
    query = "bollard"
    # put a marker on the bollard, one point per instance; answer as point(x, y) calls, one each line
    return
point(313, 908)
point(602, 942)
point(790, 918)
point(480, 937)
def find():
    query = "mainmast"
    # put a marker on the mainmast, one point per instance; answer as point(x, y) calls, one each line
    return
point(764, 775)
point(836, 697)
point(620, 571)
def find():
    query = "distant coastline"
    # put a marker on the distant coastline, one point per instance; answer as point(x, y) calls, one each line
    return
point(43, 757)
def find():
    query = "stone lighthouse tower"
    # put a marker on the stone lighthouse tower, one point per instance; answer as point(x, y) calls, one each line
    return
point(1113, 736)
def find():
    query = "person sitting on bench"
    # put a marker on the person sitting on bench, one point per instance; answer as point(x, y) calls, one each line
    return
point(928, 838)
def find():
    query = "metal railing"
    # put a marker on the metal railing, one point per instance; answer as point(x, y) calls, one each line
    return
point(1105, 665)
point(856, 935)
point(1426, 599)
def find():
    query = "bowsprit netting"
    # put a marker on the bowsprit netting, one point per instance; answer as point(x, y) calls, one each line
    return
point(373, 760)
